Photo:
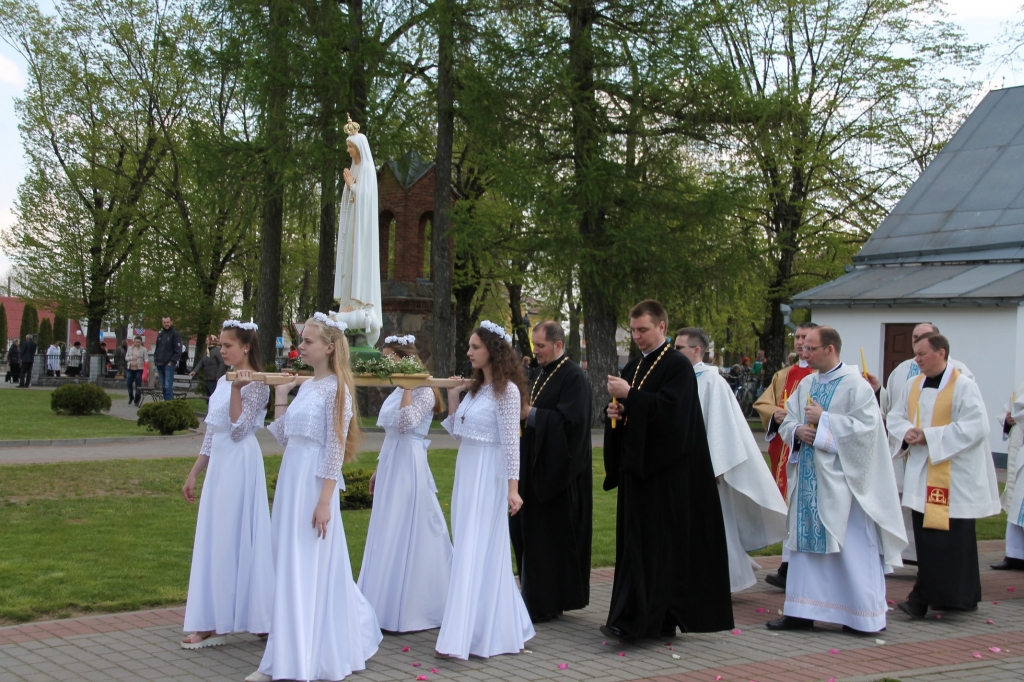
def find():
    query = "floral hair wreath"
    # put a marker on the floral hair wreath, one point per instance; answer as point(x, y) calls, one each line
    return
point(406, 340)
point(238, 324)
point(495, 329)
point(330, 321)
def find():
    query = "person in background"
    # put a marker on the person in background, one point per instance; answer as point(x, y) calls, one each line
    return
point(182, 367)
point(28, 358)
point(166, 354)
point(293, 355)
point(75, 358)
point(53, 360)
point(211, 365)
point(135, 363)
point(13, 362)
point(119, 357)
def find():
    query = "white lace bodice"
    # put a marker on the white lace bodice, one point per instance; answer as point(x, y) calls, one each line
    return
point(311, 415)
point(218, 414)
point(413, 419)
point(490, 419)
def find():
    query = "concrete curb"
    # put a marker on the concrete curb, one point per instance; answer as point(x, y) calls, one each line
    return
point(88, 441)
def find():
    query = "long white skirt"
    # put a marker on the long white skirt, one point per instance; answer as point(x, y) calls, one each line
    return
point(485, 615)
point(846, 587)
point(741, 571)
point(323, 628)
point(1014, 541)
point(231, 585)
point(407, 562)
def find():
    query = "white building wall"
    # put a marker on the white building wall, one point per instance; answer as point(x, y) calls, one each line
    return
point(990, 341)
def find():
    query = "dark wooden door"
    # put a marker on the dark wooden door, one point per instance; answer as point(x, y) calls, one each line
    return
point(899, 346)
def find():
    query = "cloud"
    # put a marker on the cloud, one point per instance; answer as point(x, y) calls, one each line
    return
point(10, 74)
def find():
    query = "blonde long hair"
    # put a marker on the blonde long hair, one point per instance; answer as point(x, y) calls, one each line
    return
point(339, 364)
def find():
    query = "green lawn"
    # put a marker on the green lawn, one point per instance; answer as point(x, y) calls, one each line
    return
point(27, 415)
point(117, 536)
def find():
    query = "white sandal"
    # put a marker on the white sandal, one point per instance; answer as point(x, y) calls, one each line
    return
point(210, 640)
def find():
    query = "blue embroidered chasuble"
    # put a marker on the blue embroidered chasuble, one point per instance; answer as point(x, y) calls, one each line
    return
point(810, 531)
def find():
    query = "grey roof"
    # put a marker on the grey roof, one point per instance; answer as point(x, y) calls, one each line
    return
point(957, 235)
point(969, 202)
point(409, 169)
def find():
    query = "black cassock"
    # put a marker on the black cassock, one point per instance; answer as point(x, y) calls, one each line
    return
point(551, 534)
point(671, 561)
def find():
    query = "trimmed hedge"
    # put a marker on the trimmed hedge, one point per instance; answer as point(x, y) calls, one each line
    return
point(79, 399)
point(168, 416)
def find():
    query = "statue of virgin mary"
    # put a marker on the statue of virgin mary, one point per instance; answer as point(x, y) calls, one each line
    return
point(357, 270)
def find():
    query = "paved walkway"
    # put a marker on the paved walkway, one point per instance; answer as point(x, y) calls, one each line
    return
point(986, 645)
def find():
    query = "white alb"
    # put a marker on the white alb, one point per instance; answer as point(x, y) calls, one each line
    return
point(231, 585)
point(485, 615)
point(322, 628)
point(407, 561)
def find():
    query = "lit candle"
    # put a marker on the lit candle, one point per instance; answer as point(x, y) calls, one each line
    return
point(863, 363)
point(615, 422)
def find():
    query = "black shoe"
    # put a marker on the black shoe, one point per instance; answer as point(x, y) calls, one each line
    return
point(776, 580)
point(616, 633)
point(668, 633)
point(912, 610)
point(790, 623)
point(910, 562)
point(137, 403)
point(1008, 564)
point(863, 633)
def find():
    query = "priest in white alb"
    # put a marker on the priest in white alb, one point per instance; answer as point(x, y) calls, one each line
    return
point(753, 509)
point(896, 393)
point(845, 525)
point(950, 479)
point(1013, 492)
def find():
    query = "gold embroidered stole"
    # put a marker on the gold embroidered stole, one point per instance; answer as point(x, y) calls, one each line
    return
point(936, 502)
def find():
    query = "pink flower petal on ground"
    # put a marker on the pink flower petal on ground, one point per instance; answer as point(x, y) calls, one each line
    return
point(760, 610)
point(831, 679)
point(994, 649)
point(434, 670)
point(938, 616)
point(1011, 588)
point(996, 603)
point(833, 651)
point(405, 648)
point(717, 678)
point(737, 631)
point(989, 622)
point(420, 678)
point(976, 654)
point(622, 653)
point(563, 666)
point(671, 648)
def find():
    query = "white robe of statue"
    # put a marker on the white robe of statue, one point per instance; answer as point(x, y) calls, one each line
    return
point(357, 270)
point(752, 506)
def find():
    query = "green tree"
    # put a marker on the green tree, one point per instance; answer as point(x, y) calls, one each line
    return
point(835, 108)
point(45, 333)
point(29, 322)
point(3, 327)
point(60, 327)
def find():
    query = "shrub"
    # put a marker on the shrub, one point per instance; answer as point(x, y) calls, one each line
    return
point(355, 496)
point(79, 399)
point(168, 416)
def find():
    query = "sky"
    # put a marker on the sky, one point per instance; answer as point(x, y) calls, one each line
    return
point(982, 20)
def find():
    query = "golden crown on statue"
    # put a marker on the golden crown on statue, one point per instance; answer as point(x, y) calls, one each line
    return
point(351, 128)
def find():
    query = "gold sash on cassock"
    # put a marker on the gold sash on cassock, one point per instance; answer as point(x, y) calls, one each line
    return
point(936, 501)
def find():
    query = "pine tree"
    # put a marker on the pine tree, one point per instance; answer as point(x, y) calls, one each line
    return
point(60, 328)
point(29, 322)
point(45, 334)
point(3, 325)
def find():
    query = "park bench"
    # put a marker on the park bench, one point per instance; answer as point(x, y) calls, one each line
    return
point(183, 385)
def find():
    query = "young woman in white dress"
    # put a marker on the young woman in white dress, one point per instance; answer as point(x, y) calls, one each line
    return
point(485, 615)
point(231, 587)
point(322, 628)
point(408, 556)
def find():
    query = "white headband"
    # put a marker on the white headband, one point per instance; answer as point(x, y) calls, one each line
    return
point(406, 340)
point(250, 326)
point(495, 329)
point(330, 321)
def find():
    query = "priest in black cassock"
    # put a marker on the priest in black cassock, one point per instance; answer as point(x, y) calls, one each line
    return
point(552, 537)
point(671, 560)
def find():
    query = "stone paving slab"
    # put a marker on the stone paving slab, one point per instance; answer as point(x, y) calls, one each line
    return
point(144, 646)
